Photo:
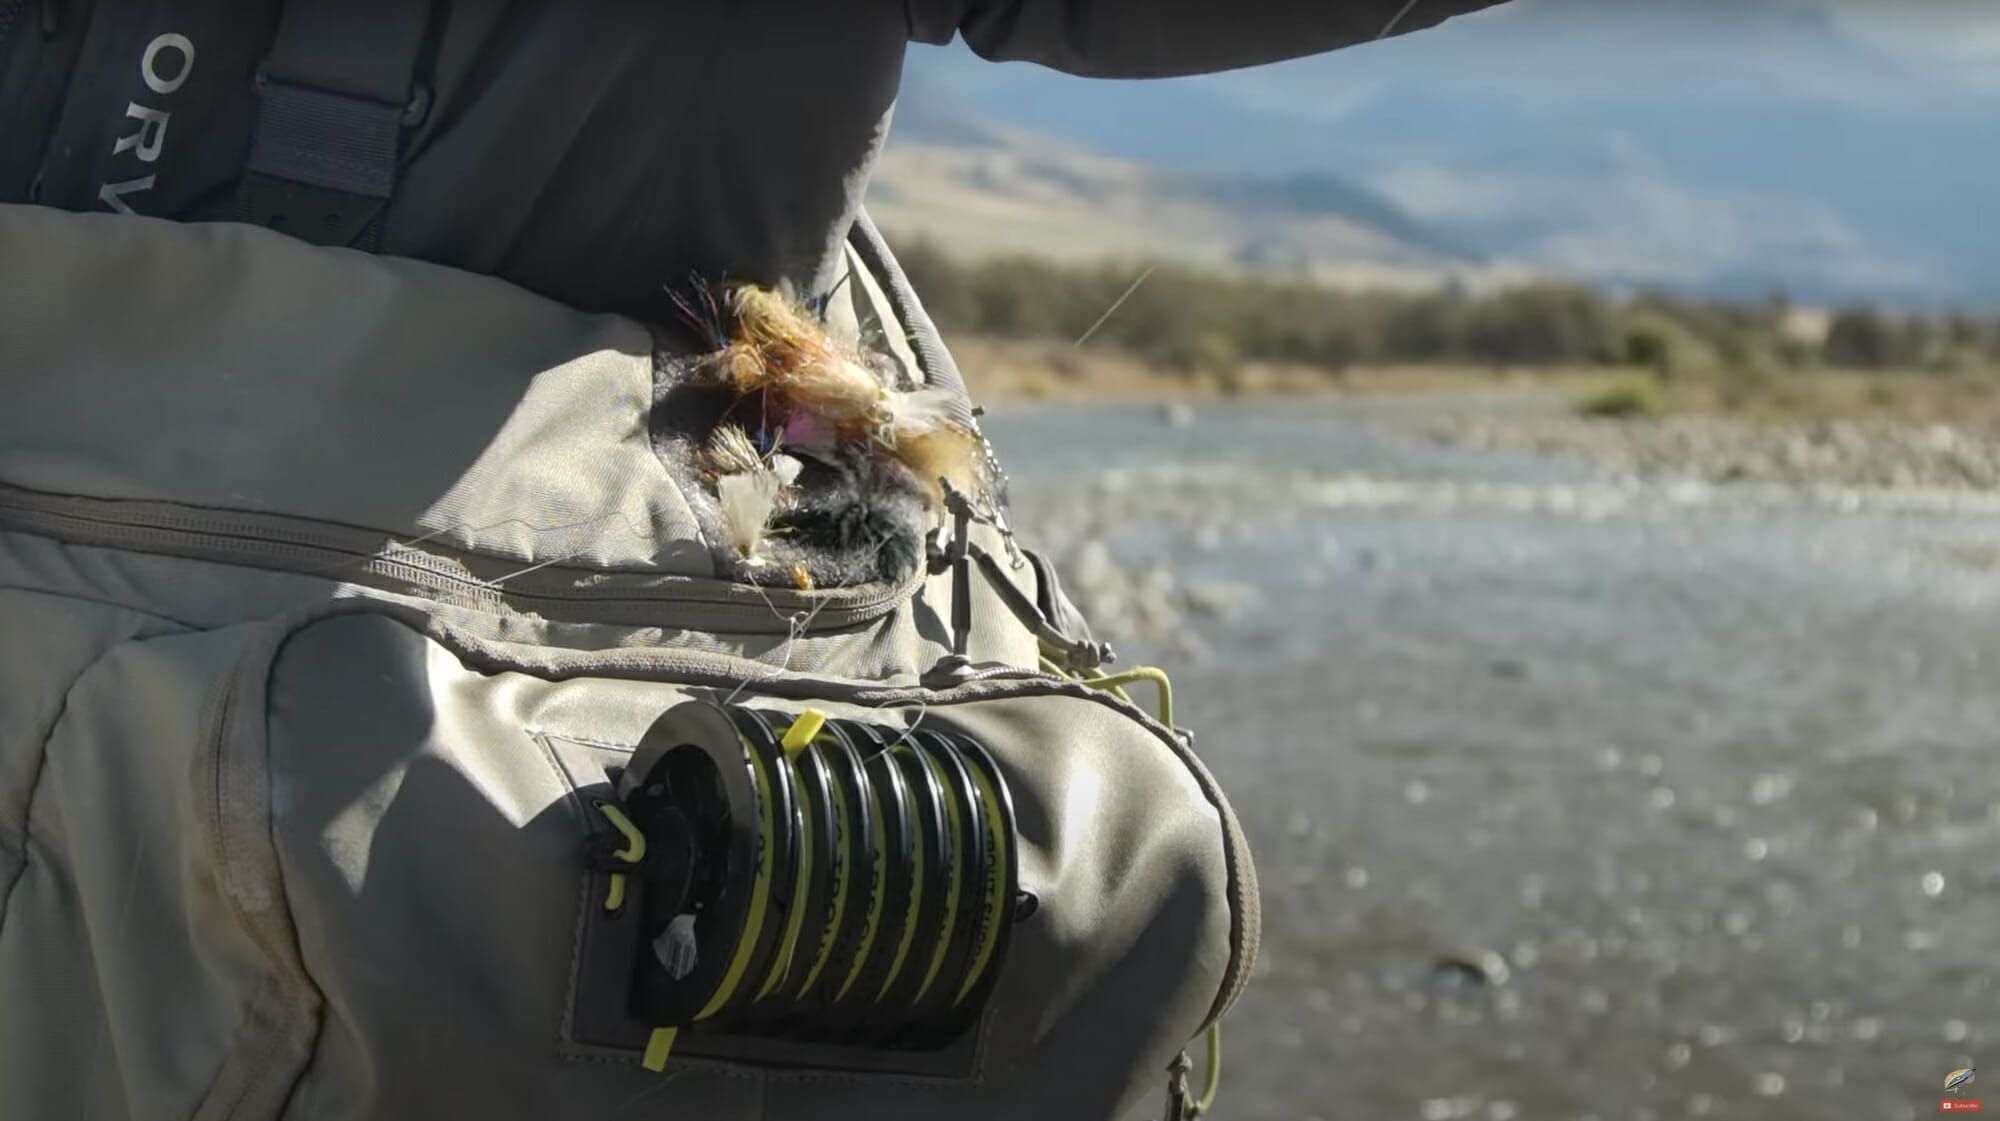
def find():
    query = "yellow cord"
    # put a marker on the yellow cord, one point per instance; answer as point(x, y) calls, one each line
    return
point(1140, 673)
point(1212, 1077)
point(1096, 675)
point(633, 852)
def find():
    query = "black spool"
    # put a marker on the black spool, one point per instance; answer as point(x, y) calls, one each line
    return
point(847, 923)
point(817, 880)
point(777, 776)
point(895, 932)
point(953, 954)
point(845, 883)
point(1003, 870)
point(695, 779)
point(986, 898)
point(931, 920)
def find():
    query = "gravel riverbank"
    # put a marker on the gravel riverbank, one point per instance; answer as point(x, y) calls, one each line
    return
point(1621, 464)
point(1724, 450)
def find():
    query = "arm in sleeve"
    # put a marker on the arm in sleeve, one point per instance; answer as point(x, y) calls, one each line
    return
point(1168, 38)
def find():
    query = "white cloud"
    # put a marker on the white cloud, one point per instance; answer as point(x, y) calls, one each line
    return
point(1962, 35)
point(1638, 226)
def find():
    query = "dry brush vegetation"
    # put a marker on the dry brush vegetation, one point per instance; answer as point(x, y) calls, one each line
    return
point(1015, 321)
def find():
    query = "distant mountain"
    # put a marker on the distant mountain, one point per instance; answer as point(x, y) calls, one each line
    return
point(983, 188)
point(1715, 146)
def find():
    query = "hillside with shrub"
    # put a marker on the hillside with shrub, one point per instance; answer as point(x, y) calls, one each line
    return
point(1180, 319)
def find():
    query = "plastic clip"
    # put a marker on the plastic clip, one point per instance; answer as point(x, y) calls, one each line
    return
point(1180, 1103)
point(615, 854)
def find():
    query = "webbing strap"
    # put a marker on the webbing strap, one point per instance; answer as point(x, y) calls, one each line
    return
point(940, 372)
point(334, 96)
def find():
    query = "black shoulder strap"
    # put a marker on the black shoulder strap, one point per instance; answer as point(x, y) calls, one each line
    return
point(334, 97)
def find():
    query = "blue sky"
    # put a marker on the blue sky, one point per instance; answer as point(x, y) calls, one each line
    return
point(1837, 148)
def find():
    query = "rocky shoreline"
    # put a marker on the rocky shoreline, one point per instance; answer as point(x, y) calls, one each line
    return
point(1145, 603)
point(1149, 603)
point(1871, 454)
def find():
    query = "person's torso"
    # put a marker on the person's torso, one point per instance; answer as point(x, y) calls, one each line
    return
point(590, 150)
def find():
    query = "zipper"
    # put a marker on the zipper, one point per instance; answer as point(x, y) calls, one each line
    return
point(309, 547)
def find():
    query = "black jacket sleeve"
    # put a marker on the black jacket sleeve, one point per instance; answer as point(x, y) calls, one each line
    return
point(1168, 38)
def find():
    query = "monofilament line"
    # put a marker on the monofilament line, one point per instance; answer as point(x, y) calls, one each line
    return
point(1396, 19)
point(1115, 305)
point(797, 624)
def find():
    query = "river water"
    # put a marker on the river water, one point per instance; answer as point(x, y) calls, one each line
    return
point(1695, 784)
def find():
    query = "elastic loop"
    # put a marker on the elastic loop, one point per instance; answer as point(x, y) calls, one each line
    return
point(1211, 1076)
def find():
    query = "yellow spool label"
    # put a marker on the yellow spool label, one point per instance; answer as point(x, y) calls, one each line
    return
point(659, 1045)
point(802, 732)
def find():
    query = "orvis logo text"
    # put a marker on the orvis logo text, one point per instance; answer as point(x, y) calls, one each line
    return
point(165, 66)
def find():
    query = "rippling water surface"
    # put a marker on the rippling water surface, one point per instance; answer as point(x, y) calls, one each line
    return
point(1697, 784)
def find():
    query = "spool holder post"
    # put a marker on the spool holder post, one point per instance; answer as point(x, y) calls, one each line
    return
point(959, 554)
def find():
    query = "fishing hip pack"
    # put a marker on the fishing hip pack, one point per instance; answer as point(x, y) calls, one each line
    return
point(395, 721)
